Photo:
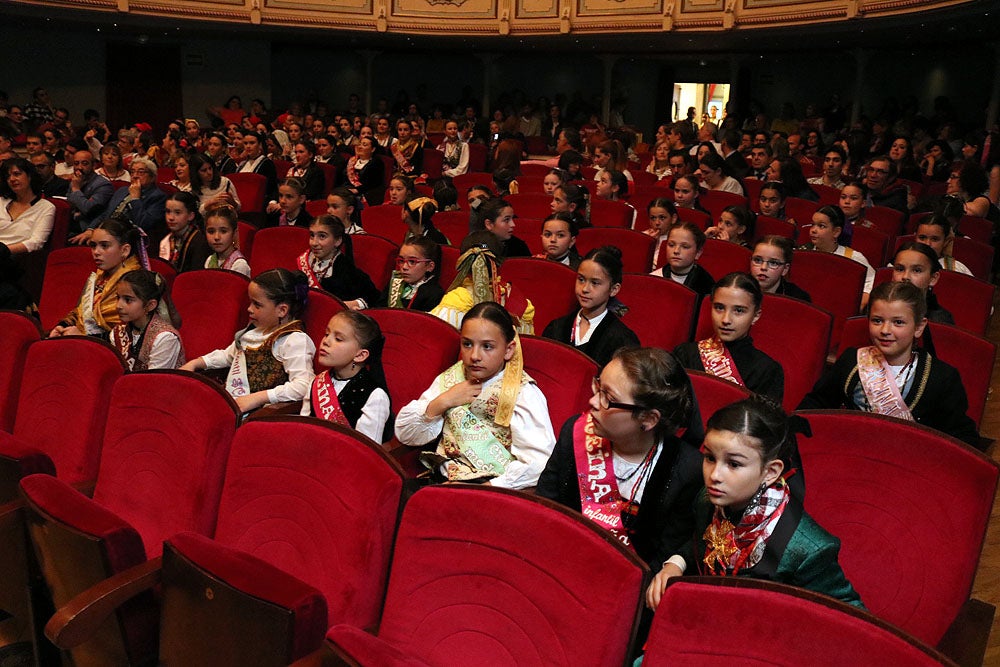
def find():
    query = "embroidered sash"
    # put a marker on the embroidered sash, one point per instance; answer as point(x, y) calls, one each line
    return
point(717, 360)
point(352, 172)
point(213, 260)
point(400, 153)
point(306, 267)
point(397, 288)
point(600, 500)
point(325, 403)
point(729, 548)
point(269, 372)
point(472, 444)
point(879, 384)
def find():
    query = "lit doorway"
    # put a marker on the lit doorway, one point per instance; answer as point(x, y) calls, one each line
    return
point(708, 99)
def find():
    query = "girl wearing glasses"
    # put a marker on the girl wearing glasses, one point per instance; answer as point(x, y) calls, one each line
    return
point(329, 264)
point(414, 284)
point(489, 419)
point(594, 329)
point(730, 353)
point(769, 264)
point(641, 478)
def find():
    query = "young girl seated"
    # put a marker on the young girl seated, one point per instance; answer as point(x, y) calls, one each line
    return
point(853, 198)
point(917, 264)
point(117, 248)
point(554, 179)
point(271, 360)
point(145, 336)
point(747, 523)
point(497, 216)
point(772, 201)
point(769, 264)
point(493, 422)
point(400, 190)
point(559, 232)
point(594, 329)
point(290, 209)
point(662, 215)
point(574, 199)
point(340, 203)
point(418, 217)
point(893, 377)
point(730, 353)
point(685, 243)
point(329, 264)
point(936, 232)
point(414, 284)
point(352, 390)
point(686, 193)
point(185, 247)
point(735, 225)
point(222, 231)
point(827, 224)
point(611, 185)
point(477, 280)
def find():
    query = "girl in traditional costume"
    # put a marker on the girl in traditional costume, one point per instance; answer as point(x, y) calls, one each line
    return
point(329, 264)
point(622, 463)
point(892, 376)
point(747, 521)
point(478, 280)
point(685, 243)
point(352, 390)
point(917, 263)
point(491, 418)
point(595, 328)
point(730, 353)
point(418, 217)
point(118, 247)
point(185, 247)
point(735, 225)
point(662, 214)
point(271, 360)
point(222, 231)
point(769, 264)
point(145, 337)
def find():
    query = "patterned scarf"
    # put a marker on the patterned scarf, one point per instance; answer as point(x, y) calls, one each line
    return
point(729, 548)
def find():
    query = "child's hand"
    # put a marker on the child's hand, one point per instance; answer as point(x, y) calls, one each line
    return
point(272, 207)
point(717, 233)
point(659, 584)
point(251, 401)
point(461, 394)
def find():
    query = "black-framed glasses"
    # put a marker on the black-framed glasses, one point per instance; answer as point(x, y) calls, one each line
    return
point(605, 402)
point(757, 260)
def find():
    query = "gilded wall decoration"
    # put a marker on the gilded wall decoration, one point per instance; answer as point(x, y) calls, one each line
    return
point(332, 6)
point(618, 7)
point(697, 6)
point(444, 9)
point(532, 9)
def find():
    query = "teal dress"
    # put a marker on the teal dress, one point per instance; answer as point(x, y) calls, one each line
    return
point(799, 552)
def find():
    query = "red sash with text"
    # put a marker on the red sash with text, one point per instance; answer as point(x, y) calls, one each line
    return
point(324, 400)
point(717, 360)
point(600, 500)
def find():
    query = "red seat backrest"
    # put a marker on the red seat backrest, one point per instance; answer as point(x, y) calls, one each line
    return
point(974, 254)
point(165, 269)
point(454, 225)
point(550, 286)
point(607, 213)
point(794, 333)
point(887, 220)
point(800, 210)
point(275, 247)
point(433, 163)
point(449, 268)
point(66, 272)
point(17, 331)
point(533, 205)
point(251, 188)
point(282, 167)
point(973, 356)
point(835, 284)
point(375, 256)
point(717, 200)
point(976, 228)
point(477, 610)
point(771, 623)
point(60, 226)
point(699, 218)
point(335, 531)
point(319, 309)
point(212, 304)
point(722, 257)
point(827, 196)
point(472, 177)
point(766, 225)
point(969, 299)
point(165, 446)
point(637, 248)
point(871, 243)
point(874, 479)
point(165, 174)
point(660, 311)
point(477, 162)
point(753, 187)
point(418, 347)
point(562, 372)
point(385, 220)
point(316, 207)
point(714, 393)
point(534, 170)
point(245, 232)
point(63, 402)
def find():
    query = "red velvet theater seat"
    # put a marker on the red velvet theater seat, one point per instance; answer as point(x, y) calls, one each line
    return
point(17, 330)
point(563, 373)
point(660, 311)
point(550, 286)
point(771, 624)
point(484, 576)
point(714, 393)
point(66, 271)
point(212, 304)
point(886, 487)
point(165, 447)
point(276, 247)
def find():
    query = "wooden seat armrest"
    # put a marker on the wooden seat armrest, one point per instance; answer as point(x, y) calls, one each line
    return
point(79, 619)
point(966, 637)
point(278, 409)
point(12, 516)
point(326, 656)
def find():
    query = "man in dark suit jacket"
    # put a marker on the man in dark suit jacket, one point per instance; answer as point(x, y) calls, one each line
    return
point(731, 154)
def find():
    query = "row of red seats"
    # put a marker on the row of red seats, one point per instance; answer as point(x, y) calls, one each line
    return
point(939, 491)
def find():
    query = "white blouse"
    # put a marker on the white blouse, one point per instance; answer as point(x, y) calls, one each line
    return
point(32, 228)
point(295, 352)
